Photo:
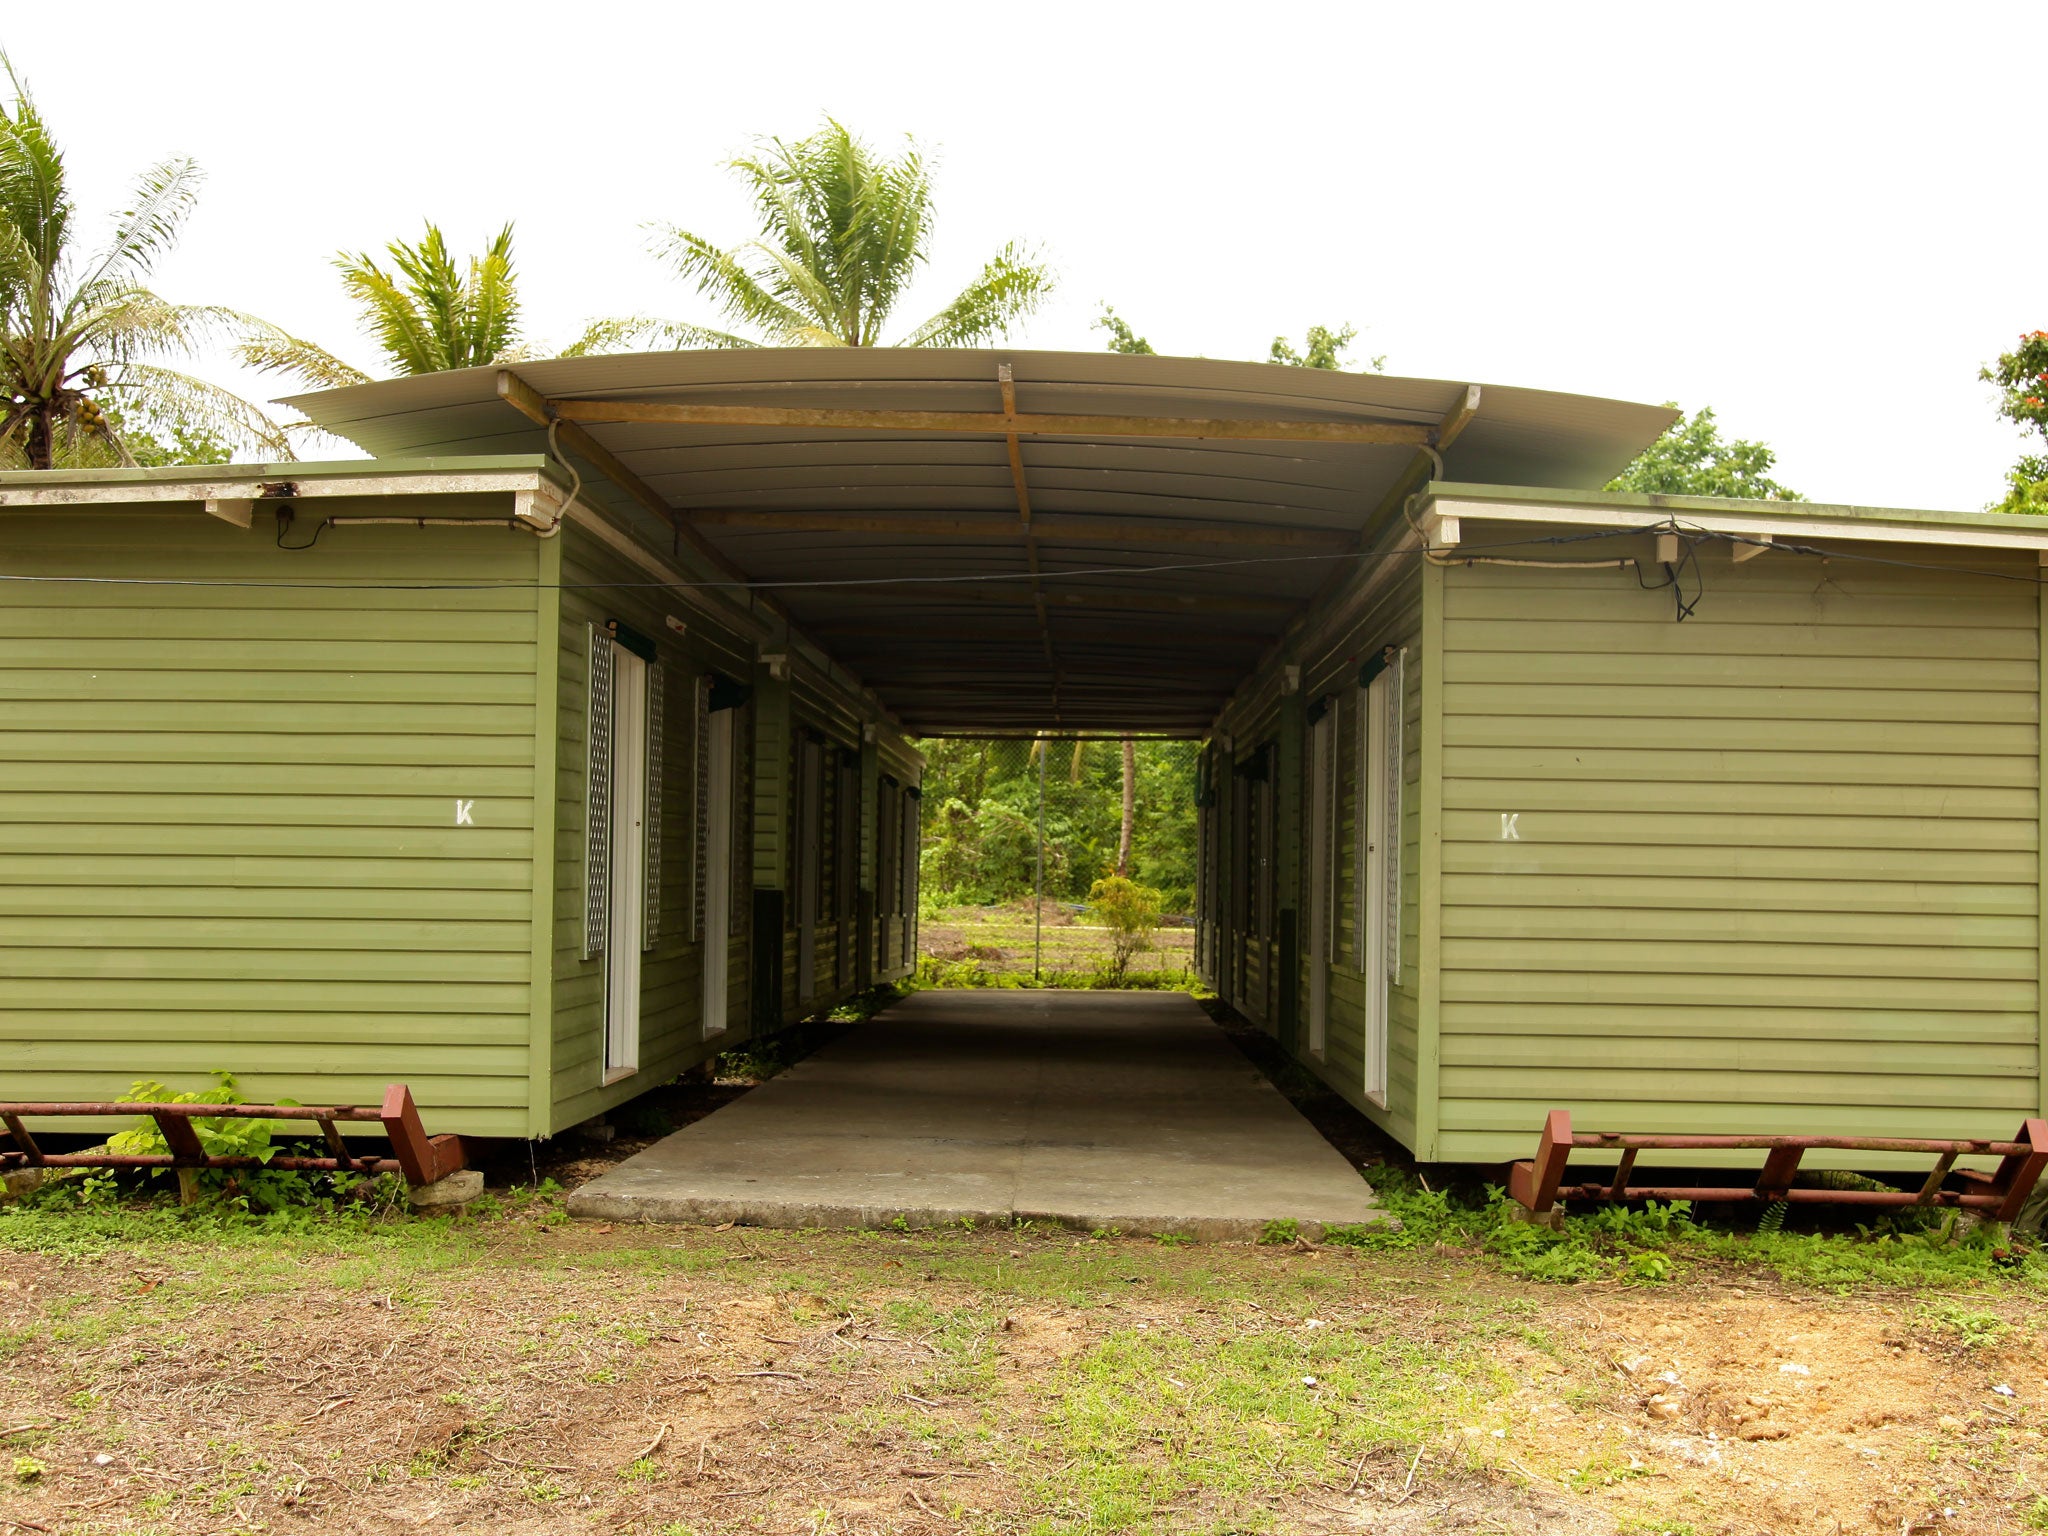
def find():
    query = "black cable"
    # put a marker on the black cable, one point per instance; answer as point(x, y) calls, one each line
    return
point(284, 521)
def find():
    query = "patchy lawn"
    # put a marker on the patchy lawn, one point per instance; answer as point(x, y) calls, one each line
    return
point(515, 1372)
point(998, 941)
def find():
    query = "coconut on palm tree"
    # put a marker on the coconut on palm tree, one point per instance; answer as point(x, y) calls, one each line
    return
point(844, 231)
point(81, 332)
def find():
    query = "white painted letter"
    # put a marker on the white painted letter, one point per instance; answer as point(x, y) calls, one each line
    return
point(1509, 832)
point(463, 808)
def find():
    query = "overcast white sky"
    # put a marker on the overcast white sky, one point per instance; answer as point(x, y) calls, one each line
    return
point(1820, 219)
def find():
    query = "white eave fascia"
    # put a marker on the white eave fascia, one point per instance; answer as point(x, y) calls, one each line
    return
point(195, 493)
point(1441, 521)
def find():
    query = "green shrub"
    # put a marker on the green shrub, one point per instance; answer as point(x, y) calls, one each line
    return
point(1130, 912)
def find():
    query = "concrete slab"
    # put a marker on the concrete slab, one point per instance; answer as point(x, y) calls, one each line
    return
point(1122, 1109)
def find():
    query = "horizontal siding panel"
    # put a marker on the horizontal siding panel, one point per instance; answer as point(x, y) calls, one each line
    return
point(239, 993)
point(21, 965)
point(1682, 893)
point(1688, 930)
point(232, 1030)
point(1556, 1023)
point(135, 874)
point(315, 717)
point(281, 747)
point(441, 780)
point(283, 929)
point(300, 1058)
point(263, 811)
point(1514, 1128)
point(1592, 957)
point(464, 664)
point(1515, 728)
point(1540, 828)
point(1686, 770)
point(1676, 669)
point(2014, 1097)
point(259, 621)
point(1618, 796)
point(1647, 988)
point(1731, 607)
point(1599, 1058)
point(232, 684)
point(1925, 709)
point(1761, 864)
point(1787, 644)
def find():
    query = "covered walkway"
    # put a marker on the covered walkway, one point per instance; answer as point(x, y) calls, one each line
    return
point(1093, 1110)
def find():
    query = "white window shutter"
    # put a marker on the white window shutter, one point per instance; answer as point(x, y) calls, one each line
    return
point(657, 696)
point(597, 796)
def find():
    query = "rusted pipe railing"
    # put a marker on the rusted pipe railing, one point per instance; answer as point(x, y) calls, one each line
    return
point(421, 1158)
point(1539, 1183)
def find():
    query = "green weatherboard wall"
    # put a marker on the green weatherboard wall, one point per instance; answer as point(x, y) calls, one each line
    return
point(1776, 868)
point(228, 830)
point(323, 827)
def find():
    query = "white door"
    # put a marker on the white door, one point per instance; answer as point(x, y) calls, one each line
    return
point(1379, 912)
point(627, 916)
point(717, 857)
point(1322, 752)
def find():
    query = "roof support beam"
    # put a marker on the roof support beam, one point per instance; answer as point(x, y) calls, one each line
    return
point(1067, 528)
point(1006, 423)
point(1015, 450)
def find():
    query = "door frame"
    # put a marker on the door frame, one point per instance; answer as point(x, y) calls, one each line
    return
point(1379, 822)
point(1322, 777)
point(626, 896)
point(715, 956)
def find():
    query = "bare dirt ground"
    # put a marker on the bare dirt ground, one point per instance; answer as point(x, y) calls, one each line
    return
point(525, 1374)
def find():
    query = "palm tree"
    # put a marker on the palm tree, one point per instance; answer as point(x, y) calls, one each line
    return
point(427, 315)
point(79, 330)
point(843, 233)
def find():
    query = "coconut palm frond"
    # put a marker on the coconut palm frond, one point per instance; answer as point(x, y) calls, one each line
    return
point(724, 276)
point(490, 303)
point(643, 333)
point(165, 195)
point(295, 357)
point(392, 316)
point(844, 232)
point(34, 195)
point(1009, 288)
point(175, 398)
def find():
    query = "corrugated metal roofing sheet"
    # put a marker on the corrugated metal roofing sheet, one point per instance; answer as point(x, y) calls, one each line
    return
point(1144, 651)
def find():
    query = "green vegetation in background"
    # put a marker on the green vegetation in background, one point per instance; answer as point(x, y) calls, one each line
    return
point(1131, 914)
point(1321, 348)
point(981, 820)
point(844, 231)
point(1692, 459)
point(2022, 379)
point(80, 330)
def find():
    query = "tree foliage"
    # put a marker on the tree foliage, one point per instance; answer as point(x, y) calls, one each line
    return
point(2022, 379)
point(1130, 912)
point(1321, 348)
point(981, 828)
point(1121, 337)
point(844, 231)
point(1692, 459)
point(81, 332)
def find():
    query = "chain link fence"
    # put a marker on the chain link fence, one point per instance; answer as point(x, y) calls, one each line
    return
point(1016, 836)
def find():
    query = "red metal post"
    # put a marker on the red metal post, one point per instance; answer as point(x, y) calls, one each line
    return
point(186, 1148)
point(2018, 1174)
point(1779, 1170)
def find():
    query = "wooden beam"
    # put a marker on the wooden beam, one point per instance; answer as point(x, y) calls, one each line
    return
point(992, 423)
point(1064, 528)
point(1113, 599)
point(1015, 450)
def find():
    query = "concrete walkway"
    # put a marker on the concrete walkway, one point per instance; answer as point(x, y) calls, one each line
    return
point(1124, 1109)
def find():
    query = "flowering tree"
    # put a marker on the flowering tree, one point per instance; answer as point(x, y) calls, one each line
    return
point(2022, 378)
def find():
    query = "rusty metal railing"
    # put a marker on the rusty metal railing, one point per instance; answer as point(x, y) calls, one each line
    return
point(421, 1158)
point(1539, 1183)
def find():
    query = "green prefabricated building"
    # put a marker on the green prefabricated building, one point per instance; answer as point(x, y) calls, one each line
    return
point(298, 762)
point(1682, 815)
point(579, 720)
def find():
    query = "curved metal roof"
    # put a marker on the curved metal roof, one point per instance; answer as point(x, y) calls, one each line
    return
point(1071, 488)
